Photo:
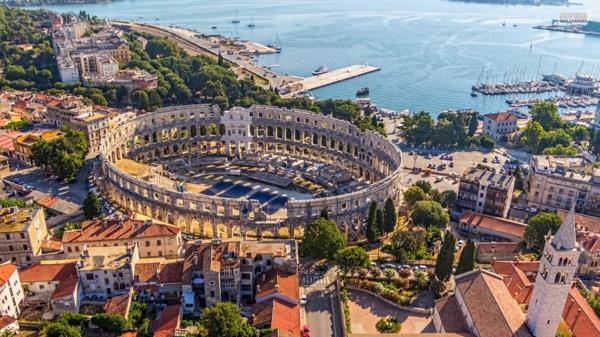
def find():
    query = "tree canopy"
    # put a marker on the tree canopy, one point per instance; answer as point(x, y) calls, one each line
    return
point(91, 206)
point(224, 320)
point(63, 156)
point(429, 213)
point(467, 258)
point(351, 259)
point(323, 239)
point(390, 216)
point(538, 227)
point(445, 259)
point(414, 194)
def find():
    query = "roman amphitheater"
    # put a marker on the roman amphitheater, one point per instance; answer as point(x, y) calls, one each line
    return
point(255, 172)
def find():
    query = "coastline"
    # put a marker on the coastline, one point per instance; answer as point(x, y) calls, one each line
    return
point(568, 29)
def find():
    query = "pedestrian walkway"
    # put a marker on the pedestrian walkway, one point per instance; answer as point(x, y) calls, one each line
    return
point(314, 279)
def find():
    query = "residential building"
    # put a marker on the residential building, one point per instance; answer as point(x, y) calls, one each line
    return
point(24, 143)
point(4, 166)
point(107, 271)
point(486, 192)
point(131, 79)
point(556, 182)
point(153, 239)
point(558, 264)
point(277, 302)
point(42, 278)
point(481, 305)
point(588, 237)
point(22, 234)
point(158, 279)
point(488, 252)
point(94, 125)
point(60, 110)
point(168, 323)
point(8, 325)
point(489, 228)
point(500, 125)
point(120, 304)
point(228, 270)
point(11, 292)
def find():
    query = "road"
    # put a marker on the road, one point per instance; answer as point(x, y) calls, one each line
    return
point(321, 312)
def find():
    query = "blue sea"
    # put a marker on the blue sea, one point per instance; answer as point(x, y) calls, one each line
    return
point(430, 51)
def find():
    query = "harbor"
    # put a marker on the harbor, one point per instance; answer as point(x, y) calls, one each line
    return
point(241, 53)
point(564, 102)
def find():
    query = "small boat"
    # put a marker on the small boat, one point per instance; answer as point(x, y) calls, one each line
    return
point(474, 94)
point(251, 24)
point(236, 20)
point(321, 70)
point(362, 91)
point(514, 25)
point(213, 27)
point(503, 23)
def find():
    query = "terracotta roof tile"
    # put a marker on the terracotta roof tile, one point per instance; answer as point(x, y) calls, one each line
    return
point(582, 221)
point(576, 307)
point(493, 223)
point(47, 272)
point(168, 322)
point(499, 247)
point(493, 310)
point(502, 116)
point(100, 230)
point(277, 314)
point(157, 272)
point(6, 271)
point(118, 305)
point(6, 321)
point(451, 315)
point(279, 281)
point(65, 288)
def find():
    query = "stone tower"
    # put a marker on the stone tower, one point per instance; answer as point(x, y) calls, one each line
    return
point(553, 281)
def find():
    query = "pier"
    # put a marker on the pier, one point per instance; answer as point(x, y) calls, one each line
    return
point(335, 76)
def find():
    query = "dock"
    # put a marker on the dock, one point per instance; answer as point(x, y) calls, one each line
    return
point(323, 80)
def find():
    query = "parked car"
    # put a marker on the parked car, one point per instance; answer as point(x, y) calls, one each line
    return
point(305, 331)
point(303, 299)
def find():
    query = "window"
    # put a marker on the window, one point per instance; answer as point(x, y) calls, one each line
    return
point(11, 248)
point(22, 235)
point(7, 236)
point(212, 293)
point(106, 281)
point(160, 253)
point(76, 248)
point(245, 276)
point(42, 286)
point(120, 274)
point(69, 249)
point(89, 276)
point(158, 242)
point(25, 247)
point(147, 243)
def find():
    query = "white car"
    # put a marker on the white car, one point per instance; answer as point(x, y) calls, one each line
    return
point(303, 299)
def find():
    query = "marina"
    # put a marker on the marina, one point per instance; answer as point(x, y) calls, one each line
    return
point(564, 102)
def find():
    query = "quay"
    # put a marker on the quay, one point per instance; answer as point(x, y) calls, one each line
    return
point(335, 76)
point(578, 29)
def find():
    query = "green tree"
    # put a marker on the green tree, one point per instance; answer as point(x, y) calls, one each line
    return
point(60, 329)
point(224, 320)
point(140, 99)
point(71, 318)
point(579, 133)
point(63, 156)
point(467, 258)
point(110, 322)
point(487, 142)
point(445, 259)
point(429, 213)
point(351, 259)
point(414, 194)
point(372, 233)
point(448, 198)
point(530, 136)
point(473, 125)
point(595, 304)
point(324, 214)
point(92, 208)
point(546, 113)
point(424, 185)
point(371, 217)
point(407, 245)
point(390, 216)
point(538, 227)
point(380, 221)
point(323, 239)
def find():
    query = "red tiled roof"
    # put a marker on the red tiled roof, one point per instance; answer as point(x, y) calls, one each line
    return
point(494, 224)
point(579, 316)
point(492, 309)
point(590, 241)
point(168, 322)
point(6, 271)
point(65, 288)
point(6, 321)
point(451, 315)
point(277, 314)
point(118, 305)
point(6, 140)
point(582, 221)
point(499, 247)
point(100, 230)
point(171, 272)
point(502, 116)
point(47, 272)
point(146, 272)
point(279, 281)
point(129, 334)
point(519, 285)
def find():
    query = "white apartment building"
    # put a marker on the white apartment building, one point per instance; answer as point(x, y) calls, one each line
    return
point(501, 125)
point(11, 293)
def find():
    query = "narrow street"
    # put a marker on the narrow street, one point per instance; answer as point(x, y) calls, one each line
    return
point(321, 312)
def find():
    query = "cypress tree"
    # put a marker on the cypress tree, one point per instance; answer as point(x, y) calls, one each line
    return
point(390, 216)
point(324, 214)
point(467, 258)
point(445, 259)
point(379, 221)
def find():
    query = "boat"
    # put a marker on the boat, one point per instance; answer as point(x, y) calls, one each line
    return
point(362, 91)
point(321, 70)
point(503, 23)
point(236, 20)
point(251, 24)
point(474, 94)
point(213, 27)
point(514, 25)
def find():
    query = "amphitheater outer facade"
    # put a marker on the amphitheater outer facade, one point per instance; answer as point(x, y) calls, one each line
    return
point(195, 132)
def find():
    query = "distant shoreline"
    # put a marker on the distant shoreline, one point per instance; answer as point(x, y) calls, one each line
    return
point(521, 2)
point(569, 29)
point(27, 3)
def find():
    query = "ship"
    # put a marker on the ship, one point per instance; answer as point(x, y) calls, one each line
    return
point(321, 70)
point(362, 91)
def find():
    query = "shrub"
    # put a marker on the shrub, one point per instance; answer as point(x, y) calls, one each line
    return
point(71, 318)
point(110, 322)
point(388, 324)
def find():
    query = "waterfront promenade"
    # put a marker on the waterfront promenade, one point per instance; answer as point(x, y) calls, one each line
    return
point(239, 56)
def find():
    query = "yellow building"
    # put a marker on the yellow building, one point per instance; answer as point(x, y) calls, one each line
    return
point(24, 144)
point(22, 232)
